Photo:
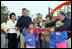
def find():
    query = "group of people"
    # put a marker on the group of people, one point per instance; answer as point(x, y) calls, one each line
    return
point(35, 36)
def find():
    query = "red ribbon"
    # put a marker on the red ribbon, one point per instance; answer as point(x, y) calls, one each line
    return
point(37, 29)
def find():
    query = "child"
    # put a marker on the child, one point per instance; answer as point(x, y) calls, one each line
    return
point(37, 32)
point(30, 38)
point(59, 37)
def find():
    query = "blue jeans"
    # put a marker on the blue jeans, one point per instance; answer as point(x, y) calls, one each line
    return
point(4, 41)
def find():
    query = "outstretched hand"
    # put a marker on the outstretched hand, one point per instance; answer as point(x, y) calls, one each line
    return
point(42, 27)
point(52, 30)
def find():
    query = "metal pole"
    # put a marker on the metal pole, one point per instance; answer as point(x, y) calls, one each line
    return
point(49, 10)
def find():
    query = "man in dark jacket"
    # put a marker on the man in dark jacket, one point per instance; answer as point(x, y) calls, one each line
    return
point(23, 22)
point(66, 26)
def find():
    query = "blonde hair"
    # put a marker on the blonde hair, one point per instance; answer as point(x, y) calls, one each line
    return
point(43, 23)
point(59, 23)
point(35, 22)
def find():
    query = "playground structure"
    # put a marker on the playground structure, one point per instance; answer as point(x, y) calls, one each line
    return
point(67, 3)
point(58, 9)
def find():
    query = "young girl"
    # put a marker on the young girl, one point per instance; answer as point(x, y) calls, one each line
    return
point(37, 32)
point(59, 38)
point(30, 38)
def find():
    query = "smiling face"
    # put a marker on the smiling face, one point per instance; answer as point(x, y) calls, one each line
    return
point(13, 17)
point(31, 26)
point(47, 19)
point(61, 16)
point(35, 25)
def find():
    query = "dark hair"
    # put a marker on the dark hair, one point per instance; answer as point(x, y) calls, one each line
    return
point(31, 23)
point(12, 14)
point(24, 9)
point(4, 19)
point(62, 13)
point(48, 15)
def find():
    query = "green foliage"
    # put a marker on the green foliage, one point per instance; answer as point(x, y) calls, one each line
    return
point(68, 14)
point(4, 12)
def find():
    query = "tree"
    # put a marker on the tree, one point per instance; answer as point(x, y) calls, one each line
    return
point(35, 19)
point(17, 17)
point(28, 12)
point(68, 14)
point(4, 12)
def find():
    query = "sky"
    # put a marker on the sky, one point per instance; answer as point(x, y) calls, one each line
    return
point(33, 6)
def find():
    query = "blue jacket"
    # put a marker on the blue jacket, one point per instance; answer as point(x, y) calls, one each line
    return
point(31, 43)
point(52, 44)
point(24, 32)
point(57, 38)
point(60, 38)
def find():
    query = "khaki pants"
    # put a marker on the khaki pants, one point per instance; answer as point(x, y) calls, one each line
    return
point(22, 40)
point(68, 43)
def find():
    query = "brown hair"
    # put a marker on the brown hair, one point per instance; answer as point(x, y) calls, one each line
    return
point(31, 23)
point(5, 19)
point(12, 14)
point(24, 9)
point(48, 15)
point(62, 13)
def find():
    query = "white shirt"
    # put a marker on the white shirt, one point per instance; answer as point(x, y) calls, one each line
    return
point(40, 23)
point(10, 24)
